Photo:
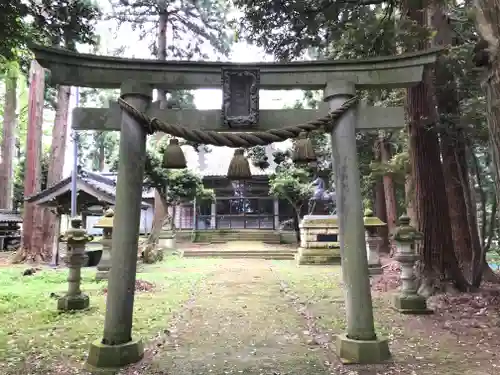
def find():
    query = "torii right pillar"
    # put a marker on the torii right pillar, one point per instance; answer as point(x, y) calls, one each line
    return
point(360, 344)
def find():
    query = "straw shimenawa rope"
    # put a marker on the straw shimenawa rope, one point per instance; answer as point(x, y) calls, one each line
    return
point(236, 140)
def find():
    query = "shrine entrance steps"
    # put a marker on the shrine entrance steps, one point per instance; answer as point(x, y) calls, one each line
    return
point(228, 235)
point(241, 249)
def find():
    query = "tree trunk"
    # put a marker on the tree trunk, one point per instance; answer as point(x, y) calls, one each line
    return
point(56, 162)
point(438, 257)
point(388, 183)
point(380, 206)
point(457, 206)
point(32, 237)
point(453, 151)
point(487, 15)
point(159, 202)
point(160, 213)
point(102, 158)
point(162, 47)
point(8, 138)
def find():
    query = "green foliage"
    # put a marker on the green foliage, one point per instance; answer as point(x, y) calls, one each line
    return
point(194, 23)
point(291, 184)
point(65, 23)
point(258, 157)
point(18, 188)
point(175, 185)
point(32, 328)
point(352, 30)
point(13, 27)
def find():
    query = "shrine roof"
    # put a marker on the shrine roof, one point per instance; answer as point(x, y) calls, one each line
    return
point(218, 160)
point(8, 216)
point(96, 185)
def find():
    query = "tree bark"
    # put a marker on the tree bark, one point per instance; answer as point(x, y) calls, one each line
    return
point(32, 237)
point(431, 207)
point(56, 162)
point(162, 47)
point(160, 206)
point(102, 158)
point(380, 206)
point(453, 151)
point(8, 138)
point(389, 192)
point(487, 15)
point(159, 216)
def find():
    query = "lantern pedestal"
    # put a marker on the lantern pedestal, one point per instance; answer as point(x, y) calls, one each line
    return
point(76, 238)
point(362, 351)
point(411, 304)
point(408, 301)
point(106, 224)
point(70, 303)
point(372, 223)
point(374, 266)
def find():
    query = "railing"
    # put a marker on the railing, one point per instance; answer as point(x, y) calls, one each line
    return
point(237, 221)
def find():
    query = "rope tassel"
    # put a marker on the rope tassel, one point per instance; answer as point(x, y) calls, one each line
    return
point(173, 157)
point(239, 167)
point(237, 140)
point(304, 150)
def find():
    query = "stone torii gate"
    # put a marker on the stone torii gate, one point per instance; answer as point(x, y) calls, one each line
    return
point(240, 82)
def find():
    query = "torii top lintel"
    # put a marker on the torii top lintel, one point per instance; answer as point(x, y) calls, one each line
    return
point(86, 70)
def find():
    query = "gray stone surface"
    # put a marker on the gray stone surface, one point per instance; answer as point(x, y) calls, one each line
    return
point(121, 283)
point(411, 304)
point(113, 357)
point(358, 302)
point(368, 118)
point(84, 70)
point(362, 351)
point(79, 301)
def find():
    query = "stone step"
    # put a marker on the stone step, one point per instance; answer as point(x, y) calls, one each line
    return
point(254, 254)
point(236, 251)
point(238, 235)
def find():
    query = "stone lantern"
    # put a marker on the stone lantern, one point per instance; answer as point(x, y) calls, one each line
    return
point(408, 301)
point(76, 237)
point(106, 223)
point(373, 240)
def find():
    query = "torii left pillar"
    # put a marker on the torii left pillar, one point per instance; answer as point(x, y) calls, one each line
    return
point(117, 348)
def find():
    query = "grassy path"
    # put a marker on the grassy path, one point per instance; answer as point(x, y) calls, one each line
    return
point(238, 323)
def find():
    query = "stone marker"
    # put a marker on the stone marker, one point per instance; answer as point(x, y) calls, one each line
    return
point(319, 242)
point(408, 301)
point(76, 238)
point(106, 223)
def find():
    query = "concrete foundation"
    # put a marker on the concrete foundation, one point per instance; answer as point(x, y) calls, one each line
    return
point(113, 357)
point(362, 351)
point(411, 304)
point(70, 303)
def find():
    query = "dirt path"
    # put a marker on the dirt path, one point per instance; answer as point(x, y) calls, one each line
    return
point(237, 323)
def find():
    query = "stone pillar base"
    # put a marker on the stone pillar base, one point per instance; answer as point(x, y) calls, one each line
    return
point(113, 357)
point(70, 303)
point(317, 256)
point(102, 275)
point(411, 304)
point(375, 269)
point(362, 351)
